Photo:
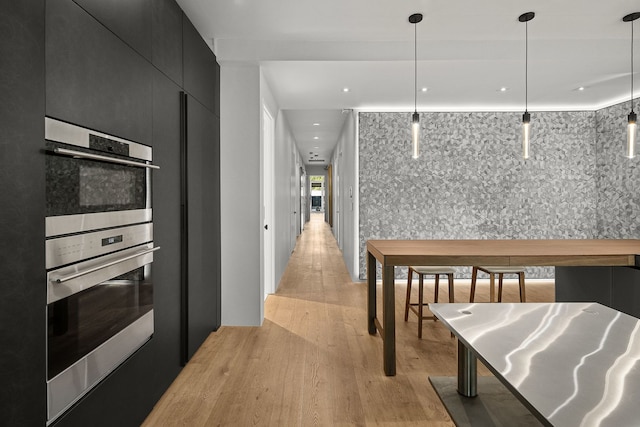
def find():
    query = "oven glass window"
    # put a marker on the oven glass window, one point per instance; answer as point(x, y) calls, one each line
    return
point(83, 186)
point(102, 187)
point(80, 323)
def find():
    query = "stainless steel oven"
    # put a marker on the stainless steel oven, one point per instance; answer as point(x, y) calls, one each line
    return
point(99, 251)
point(94, 180)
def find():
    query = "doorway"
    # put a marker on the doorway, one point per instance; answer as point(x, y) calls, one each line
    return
point(268, 135)
point(316, 193)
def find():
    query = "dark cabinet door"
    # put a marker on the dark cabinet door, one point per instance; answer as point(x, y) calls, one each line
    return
point(199, 67)
point(93, 78)
point(166, 53)
point(130, 20)
point(22, 315)
point(201, 239)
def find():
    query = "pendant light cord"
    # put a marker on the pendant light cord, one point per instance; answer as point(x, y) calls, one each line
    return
point(526, 66)
point(631, 67)
point(415, 70)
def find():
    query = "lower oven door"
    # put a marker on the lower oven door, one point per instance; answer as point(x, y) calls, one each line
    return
point(99, 312)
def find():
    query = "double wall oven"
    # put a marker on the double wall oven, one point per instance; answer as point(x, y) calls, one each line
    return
point(99, 251)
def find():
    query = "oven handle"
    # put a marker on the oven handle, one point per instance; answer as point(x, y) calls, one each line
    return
point(100, 267)
point(82, 155)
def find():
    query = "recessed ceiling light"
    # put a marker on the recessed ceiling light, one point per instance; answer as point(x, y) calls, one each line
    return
point(581, 88)
point(504, 89)
point(424, 89)
point(316, 124)
point(315, 137)
point(316, 147)
point(346, 89)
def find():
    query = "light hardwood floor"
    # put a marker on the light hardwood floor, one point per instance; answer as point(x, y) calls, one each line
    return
point(313, 362)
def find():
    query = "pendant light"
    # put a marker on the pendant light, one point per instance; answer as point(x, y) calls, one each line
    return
point(526, 117)
point(415, 118)
point(632, 127)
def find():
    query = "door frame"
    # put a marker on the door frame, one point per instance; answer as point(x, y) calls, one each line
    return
point(268, 241)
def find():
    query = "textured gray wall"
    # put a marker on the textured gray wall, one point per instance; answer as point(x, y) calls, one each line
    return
point(471, 182)
point(618, 177)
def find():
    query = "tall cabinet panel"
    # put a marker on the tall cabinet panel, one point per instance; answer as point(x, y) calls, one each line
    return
point(167, 38)
point(22, 288)
point(201, 294)
point(199, 67)
point(130, 20)
point(166, 228)
point(93, 78)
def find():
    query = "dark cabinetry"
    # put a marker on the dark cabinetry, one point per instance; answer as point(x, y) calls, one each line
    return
point(22, 290)
point(201, 287)
point(130, 20)
point(200, 67)
point(616, 287)
point(114, 66)
point(167, 38)
point(93, 78)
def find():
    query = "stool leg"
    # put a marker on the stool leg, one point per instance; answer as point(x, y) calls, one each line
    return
point(523, 297)
point(451, 298)
point(420, 299)
point(474, 276)
point(436, 289)
point(408, 300)
point(500, 277)
point(492, 287)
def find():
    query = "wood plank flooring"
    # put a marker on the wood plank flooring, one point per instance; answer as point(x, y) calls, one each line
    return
point(313, 362)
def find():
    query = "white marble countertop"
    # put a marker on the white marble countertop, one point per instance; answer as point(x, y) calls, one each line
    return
point(575, 364)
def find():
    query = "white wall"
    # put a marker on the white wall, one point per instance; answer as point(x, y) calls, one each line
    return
point(286, 187)
point(243, 94)
point(240, 165)
point(345, 161)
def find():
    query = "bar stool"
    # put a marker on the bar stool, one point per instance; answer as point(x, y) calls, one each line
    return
point(422, 271)
point(500, 271)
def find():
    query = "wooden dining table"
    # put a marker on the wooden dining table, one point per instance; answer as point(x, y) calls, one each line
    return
point(590, 271)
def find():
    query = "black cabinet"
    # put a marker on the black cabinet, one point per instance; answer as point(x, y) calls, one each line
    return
point(22, 288)
point(104, 71)
point(127, 396)
point(166, 223)
point(201, 284)
point(130, 20)
point(167, 38)
point(199, 67)
point(93, 78)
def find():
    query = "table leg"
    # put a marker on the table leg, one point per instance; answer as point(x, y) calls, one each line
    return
point(371, 293)
point(467, 371)
point(389, 319)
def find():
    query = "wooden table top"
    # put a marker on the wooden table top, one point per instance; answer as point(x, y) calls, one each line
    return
point(542, 252)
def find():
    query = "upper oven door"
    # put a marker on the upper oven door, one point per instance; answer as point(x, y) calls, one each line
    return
point(94, 180)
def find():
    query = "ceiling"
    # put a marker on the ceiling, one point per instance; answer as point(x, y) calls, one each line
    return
point(467, 51)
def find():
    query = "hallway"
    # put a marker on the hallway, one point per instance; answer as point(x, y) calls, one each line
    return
point(313, 362)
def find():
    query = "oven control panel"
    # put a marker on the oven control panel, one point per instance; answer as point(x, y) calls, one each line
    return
point(70, 249)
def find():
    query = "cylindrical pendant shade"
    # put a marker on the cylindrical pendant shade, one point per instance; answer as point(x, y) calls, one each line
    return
point(526, 133)
point(632, 132)
point(415, 134)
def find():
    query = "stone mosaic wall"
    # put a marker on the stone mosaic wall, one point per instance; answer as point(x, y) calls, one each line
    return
point(618, 177)
point(471, 182)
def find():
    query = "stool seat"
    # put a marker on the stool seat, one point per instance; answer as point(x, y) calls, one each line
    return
point(432, 269)
point(500, 271)
point(417, 307)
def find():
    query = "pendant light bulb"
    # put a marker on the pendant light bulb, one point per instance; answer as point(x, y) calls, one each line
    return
point(526, 130)
point(415, 134)
point(632, 132)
